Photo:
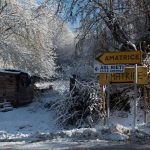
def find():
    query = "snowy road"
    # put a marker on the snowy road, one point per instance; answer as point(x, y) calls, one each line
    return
point(23, 128)
point(88, 145)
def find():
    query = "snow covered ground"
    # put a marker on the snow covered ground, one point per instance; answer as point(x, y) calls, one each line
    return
point(23, 122)
point(34, 122)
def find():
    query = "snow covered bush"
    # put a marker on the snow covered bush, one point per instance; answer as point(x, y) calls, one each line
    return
point(82, 106)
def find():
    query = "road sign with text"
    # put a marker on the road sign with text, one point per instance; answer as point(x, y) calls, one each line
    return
point(100, 68)
point(126, 57)
point(127, 77)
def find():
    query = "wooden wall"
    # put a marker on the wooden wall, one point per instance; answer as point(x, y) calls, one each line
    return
point(25, 89)
point(13, 88)
point(8, 87)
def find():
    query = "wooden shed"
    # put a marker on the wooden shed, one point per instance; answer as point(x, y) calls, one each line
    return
point(15, 87)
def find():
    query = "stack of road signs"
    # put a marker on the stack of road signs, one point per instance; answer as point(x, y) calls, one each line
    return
point(114, 63)
point(113, 70)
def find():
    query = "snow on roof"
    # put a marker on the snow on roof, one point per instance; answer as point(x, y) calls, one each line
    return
point(11, 71)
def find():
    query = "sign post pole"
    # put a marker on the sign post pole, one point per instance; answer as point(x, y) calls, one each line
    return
point(145, 104)
point(104, 103)
point(135, 97)
point(108, 100)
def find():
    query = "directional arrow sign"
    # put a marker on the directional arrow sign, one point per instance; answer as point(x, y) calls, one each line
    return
point(127, 76)
point(100, 68)
point(127, 57)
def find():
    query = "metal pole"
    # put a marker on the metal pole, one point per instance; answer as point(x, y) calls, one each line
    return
point(104, 103)
point(145, 104)
point(108, 100)
point(135, 97)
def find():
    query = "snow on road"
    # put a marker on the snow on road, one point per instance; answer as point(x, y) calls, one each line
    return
point(72, 145)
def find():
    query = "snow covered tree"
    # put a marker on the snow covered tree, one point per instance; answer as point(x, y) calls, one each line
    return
point(96, 16)
point(114, 25)
point(28, 34)
point(25, 39)
point(109, 24)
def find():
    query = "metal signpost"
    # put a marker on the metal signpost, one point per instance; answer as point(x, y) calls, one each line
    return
point(108, 100)
point(145, 104)
point(135, 97)
point(104, 101)
point(136, 75)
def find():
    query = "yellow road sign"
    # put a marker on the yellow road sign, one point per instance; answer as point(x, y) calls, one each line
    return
point(127, 57)
point(127, 76)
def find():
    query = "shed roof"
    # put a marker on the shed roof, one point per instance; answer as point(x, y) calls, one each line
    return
point(11, 71)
